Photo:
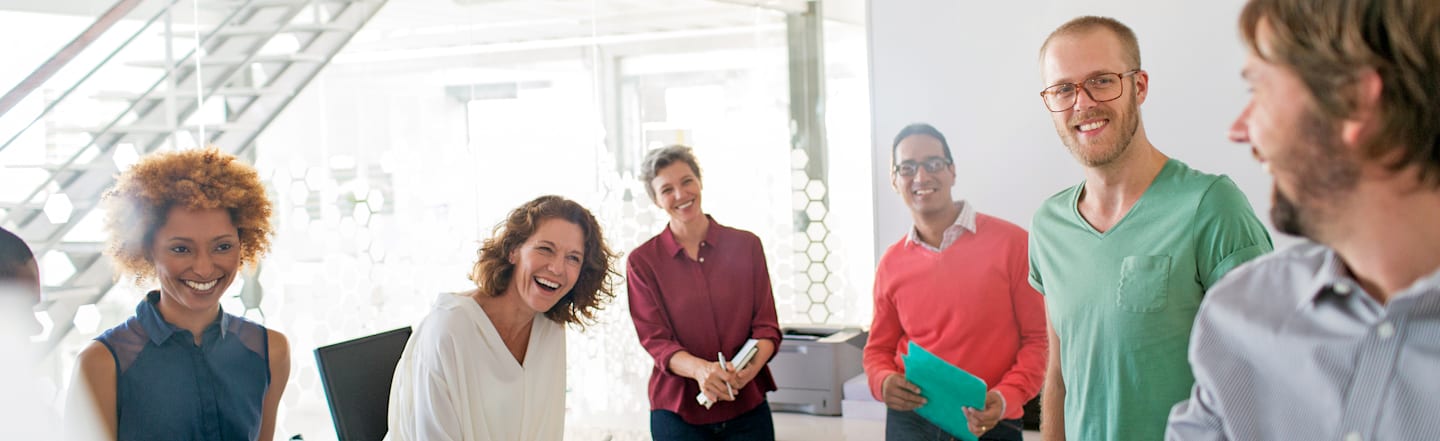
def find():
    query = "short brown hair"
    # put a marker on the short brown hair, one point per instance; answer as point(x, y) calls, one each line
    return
point(137, 206)
point(1329, 43)
point(493, 270)
point(660, 158)
point(1088, 23)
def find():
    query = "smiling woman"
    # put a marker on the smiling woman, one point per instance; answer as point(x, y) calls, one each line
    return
point(181, 366)
point(489, 363)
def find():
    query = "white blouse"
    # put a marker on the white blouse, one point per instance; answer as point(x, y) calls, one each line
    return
point(456, 380)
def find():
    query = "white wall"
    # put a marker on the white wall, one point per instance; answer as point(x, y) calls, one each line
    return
point(971, 69)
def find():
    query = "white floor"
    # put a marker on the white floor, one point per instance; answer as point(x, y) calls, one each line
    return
point(788, 427)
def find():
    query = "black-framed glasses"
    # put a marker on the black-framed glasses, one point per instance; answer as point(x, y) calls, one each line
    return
point(1101, 88)
point(910, 168)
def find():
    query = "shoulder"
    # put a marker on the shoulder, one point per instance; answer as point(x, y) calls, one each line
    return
point(1274, 282)
point(1221, 193)
point(736, 234)
point(1055, 206)
point(96, 359)
point(1185, 179)
point(984, 222)
point(279, 344)
point(645, 251)
point(894, 251)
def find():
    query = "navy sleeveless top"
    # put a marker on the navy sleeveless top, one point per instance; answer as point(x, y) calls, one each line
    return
point(169, 388)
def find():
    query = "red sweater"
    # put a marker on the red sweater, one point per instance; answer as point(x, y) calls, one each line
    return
point(970, 304)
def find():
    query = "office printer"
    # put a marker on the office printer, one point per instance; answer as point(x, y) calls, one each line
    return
point(812, 365)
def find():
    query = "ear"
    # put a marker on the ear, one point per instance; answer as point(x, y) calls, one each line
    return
point(511, 258)
point(1142, 86)
point(1364, 119)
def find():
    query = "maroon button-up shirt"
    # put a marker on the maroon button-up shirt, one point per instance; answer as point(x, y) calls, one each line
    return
point(704, 306)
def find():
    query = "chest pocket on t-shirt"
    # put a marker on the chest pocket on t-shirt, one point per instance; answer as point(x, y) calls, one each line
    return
point(1143, 283)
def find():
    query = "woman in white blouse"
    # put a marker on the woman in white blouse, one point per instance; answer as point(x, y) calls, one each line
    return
point(489, 364)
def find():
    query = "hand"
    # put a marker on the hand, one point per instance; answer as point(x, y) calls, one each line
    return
point(982, 421)
point(901, 394)
point(744, 376)
point(715, 382)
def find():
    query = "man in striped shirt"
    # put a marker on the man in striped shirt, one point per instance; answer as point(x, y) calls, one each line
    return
point(1339, 338)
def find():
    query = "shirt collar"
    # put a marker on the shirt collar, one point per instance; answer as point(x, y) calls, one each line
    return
point(965, 222)
point(1333, 278)
point(672, 247)
point(160, 330)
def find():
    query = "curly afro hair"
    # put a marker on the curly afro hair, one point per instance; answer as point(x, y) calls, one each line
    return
point(197, 179)
point(593, 289)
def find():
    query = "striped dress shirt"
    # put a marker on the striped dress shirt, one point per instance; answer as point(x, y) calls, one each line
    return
point(1290, 347)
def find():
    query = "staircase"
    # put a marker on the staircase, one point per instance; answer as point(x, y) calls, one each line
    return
point(254, 57)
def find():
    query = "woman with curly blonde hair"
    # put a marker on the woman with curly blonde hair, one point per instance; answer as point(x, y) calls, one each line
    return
point(489, 363)
point(181, 367)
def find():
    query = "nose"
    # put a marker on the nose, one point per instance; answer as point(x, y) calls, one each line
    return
point(1240, 130)
point(204, 265)
point(1083, 100)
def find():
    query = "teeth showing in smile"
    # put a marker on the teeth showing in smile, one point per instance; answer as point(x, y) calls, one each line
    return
point(547, 283)
point(201, 286)
point(684, 205)
point(1092, 126)
point(924, 192)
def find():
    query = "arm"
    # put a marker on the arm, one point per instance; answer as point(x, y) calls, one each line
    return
point(1052, 400)
point(1022, 382)
point(92, 390)
point(764, 323)
point(1196, 418)
point(437, 414)
point(887, 382)
point(1227, 233)
point(279, 377)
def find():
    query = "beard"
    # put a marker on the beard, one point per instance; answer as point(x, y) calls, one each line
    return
point(1322, 171)
point(1102, 153)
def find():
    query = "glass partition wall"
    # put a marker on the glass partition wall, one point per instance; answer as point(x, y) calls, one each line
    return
point(441, 115)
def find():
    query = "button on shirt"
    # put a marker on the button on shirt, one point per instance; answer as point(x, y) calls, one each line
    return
point(169, 388)
point(1290, 347)
point(704, 306)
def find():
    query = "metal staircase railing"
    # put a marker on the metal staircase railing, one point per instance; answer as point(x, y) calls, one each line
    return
point(224, 91)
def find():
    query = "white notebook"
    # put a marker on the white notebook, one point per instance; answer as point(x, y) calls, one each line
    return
point(741, 358)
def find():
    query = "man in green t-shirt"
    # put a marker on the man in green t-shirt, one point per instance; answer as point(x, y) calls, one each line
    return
point(1124, 257)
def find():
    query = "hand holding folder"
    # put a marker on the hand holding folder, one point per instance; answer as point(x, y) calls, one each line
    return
point(948, 391)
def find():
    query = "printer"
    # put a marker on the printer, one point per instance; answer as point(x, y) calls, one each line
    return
point(812, 365)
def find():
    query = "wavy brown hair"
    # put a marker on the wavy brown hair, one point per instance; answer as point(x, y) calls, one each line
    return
point(136, 208)
point(594, 288)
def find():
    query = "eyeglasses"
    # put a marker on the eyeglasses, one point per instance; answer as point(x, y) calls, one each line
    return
point(1101, 88)
point(910, 168)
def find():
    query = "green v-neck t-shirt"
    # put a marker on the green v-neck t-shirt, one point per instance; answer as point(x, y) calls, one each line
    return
point(1122, 302)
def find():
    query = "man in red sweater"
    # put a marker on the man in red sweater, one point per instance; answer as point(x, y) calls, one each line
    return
point(956, 285)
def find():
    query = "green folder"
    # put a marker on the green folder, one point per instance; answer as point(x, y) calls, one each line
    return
point(947, 390)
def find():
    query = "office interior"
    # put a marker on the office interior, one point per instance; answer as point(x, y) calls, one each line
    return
point(393, 134)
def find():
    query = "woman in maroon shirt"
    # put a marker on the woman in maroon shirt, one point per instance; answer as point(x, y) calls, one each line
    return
point(697, 290)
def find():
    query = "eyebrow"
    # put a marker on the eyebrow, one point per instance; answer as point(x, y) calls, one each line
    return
point(927, 158)
point(1090, 75)
point(216, 238)
point(557, 246)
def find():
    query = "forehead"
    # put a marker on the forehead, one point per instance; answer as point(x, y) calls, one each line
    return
point(198, 224)
point(918, 148)
point(675, 170)
point(561, 232)
point(1075, 56)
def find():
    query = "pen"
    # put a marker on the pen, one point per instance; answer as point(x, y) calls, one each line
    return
point(721, 355)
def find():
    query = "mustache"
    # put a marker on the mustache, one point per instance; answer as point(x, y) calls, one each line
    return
point(1088, 115)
